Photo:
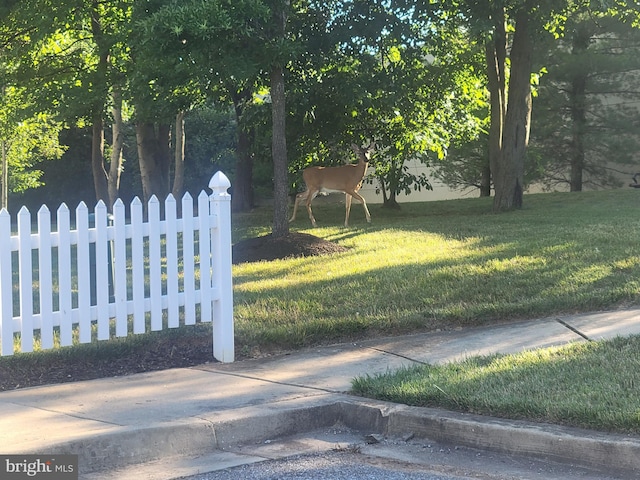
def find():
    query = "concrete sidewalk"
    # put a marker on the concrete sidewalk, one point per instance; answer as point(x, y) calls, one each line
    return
point(173, 415)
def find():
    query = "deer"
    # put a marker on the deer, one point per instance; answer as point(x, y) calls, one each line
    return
point(345, 178)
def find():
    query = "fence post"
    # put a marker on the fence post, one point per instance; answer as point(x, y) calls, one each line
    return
point(223, 329)
point(6, 289)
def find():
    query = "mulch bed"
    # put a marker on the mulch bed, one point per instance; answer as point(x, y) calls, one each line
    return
point(268, 247)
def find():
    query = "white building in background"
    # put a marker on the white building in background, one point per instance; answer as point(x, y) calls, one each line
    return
point(440, 190)
point(443, 192)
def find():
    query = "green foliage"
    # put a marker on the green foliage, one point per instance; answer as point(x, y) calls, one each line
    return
point(56, 52)
point(32, 141)
point(408, 90)
point(197, 46)
point(607, 136)
point(27, 138)
point(462, 168)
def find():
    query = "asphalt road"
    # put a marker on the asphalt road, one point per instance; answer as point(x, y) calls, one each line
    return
point(325, 466)
point(396, 459)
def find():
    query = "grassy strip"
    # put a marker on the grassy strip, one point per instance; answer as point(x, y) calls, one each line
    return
point(590, 385)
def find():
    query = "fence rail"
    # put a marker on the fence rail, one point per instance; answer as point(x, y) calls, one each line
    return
point(92, 280)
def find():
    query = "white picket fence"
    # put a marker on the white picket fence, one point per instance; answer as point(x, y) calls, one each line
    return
point(91, 282)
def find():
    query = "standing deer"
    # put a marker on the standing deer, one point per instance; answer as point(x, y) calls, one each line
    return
point(345, 178)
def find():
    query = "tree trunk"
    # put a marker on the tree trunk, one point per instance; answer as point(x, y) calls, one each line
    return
point(178, 175)
point(394, 177)
point(5, 177)
point(485, 180)
point(279, 153)
point(278, 129)
point(100, 177)
point(97, 162)
point(509, 178)
point(115, 167)
point(383, 190)
point(496, 53)
point(578, 117)
point(242, 198)
point(581, 41)
point(153, 157)
point(391, 202)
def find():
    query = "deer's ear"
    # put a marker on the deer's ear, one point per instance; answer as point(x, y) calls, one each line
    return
point(355, 147)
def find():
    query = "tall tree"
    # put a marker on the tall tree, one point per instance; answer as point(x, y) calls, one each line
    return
point(211, 51)
point(587, 123)
point(28, 128)
point(575, 126)
point(71, 50)
point(231, 47)
point(508, 28)
point(278, 43)
point(153, 93)
point(508, 166)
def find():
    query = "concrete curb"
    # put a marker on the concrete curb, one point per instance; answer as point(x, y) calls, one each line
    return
point(129, 446)
point(200, 436)
point(125, 446)
point(561, 444)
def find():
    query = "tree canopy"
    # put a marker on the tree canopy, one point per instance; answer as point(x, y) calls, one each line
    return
point(448, 83)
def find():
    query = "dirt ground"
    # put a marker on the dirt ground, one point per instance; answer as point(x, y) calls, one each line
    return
point(167, 352)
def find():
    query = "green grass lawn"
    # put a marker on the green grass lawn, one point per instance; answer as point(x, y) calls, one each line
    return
point(439, 265)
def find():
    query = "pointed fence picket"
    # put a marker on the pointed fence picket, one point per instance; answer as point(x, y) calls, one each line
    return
point(106, 276)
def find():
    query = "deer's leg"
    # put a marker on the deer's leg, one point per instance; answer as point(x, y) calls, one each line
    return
point(299, 198)
point(310, 196)
point(364, 205)
point(347, 206)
